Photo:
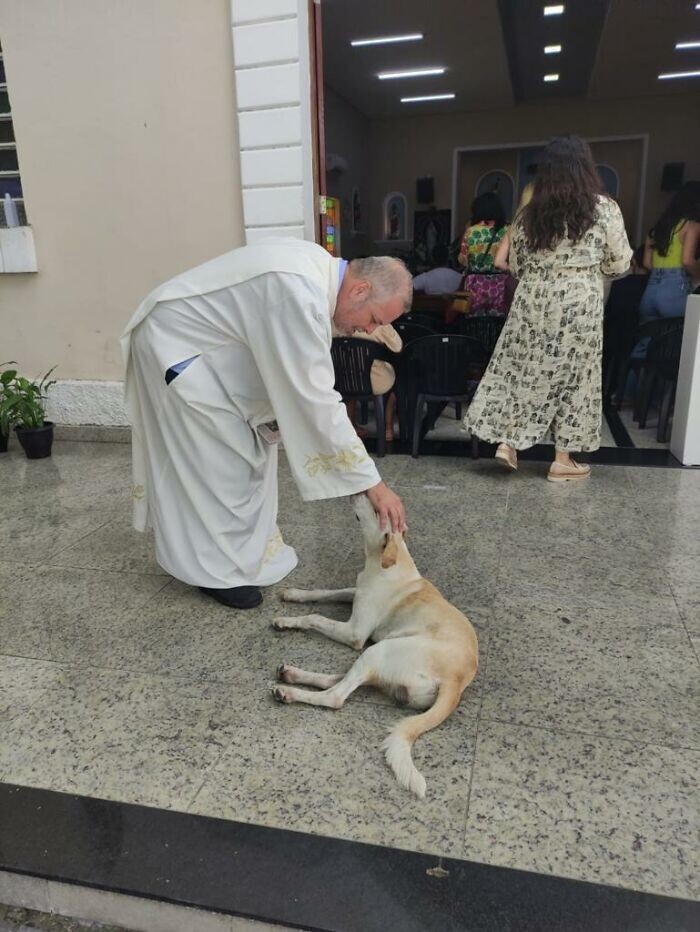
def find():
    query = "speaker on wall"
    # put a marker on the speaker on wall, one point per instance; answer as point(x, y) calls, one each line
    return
point(672, 176)
point(425, 191)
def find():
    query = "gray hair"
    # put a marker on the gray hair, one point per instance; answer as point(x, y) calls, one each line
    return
point(388, 277)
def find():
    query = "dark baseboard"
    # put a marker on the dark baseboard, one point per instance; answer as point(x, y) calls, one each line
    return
point(301, 880)
point(609, 456)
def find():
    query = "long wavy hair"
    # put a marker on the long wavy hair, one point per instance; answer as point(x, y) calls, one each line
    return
point(684, 205)
point(565, 194)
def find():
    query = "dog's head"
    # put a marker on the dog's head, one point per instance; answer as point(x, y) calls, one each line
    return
point(377, 541)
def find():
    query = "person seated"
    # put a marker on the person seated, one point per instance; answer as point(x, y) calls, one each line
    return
point(440, 280)
point(382, 376)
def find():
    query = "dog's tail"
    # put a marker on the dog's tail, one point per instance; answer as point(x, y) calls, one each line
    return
point(398, 744)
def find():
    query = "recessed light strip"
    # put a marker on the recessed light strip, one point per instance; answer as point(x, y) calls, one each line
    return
point(688, 45)
point(418, 73)
point(554, 9)
point(414, 100)
point(678, 74)
point(383, 40)
point(551, 77)
point(552, 49)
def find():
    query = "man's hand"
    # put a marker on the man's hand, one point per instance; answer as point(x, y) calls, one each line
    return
point(389, 507)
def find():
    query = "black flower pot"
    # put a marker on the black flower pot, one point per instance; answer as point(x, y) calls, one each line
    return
point(36, 441)
point(4, 438)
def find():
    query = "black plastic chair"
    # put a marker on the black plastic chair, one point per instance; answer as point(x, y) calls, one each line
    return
point(661, 365)
point(485, 329)
point(409, 331)
point(431, 321)
point(443, 368)
point(352, 362)
point(651, 329)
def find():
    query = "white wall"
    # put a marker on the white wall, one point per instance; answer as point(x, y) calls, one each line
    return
point(273, 81)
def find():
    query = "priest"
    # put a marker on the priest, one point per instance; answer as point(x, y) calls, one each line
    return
point(216, 355)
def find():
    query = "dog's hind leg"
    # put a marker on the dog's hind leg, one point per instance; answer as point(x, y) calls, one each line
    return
point(289, 674)
point(318, 595)
point(359, 674)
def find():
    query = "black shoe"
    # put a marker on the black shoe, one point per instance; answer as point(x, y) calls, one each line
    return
point(237, 597)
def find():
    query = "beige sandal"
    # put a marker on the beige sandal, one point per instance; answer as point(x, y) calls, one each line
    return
point(507, 456)
point(576, 471)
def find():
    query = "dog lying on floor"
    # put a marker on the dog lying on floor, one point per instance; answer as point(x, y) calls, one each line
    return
point(425, 652)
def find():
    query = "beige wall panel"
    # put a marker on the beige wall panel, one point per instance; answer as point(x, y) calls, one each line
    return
point(405, 149)
point(126, 133)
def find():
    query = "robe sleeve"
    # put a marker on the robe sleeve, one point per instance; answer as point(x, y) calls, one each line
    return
point(617, 251)
point(290, 342)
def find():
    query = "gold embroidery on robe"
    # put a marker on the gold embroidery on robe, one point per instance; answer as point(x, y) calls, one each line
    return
point(345, 460)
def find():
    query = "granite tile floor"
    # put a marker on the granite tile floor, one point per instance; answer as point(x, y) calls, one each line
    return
point(575, 752)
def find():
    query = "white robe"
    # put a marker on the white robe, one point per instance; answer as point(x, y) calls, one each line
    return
point(259, 319)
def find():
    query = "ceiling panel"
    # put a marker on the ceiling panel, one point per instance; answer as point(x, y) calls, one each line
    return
point(638, 43)
point(465, 37)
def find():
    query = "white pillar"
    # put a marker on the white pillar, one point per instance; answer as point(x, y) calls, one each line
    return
point(685, 436)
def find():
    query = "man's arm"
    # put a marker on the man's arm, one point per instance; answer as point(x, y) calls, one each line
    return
point(290, 341)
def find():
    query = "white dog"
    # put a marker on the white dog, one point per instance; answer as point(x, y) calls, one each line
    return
point(426, 650)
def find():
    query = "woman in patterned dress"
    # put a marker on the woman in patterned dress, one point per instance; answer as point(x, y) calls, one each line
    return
point(544, 375)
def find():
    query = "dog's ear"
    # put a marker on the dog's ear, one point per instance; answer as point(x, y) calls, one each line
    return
point(390, 553)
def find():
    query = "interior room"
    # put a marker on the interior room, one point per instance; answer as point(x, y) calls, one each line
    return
point(506, 78)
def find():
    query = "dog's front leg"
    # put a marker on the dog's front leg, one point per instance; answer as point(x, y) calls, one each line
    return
point(342, 631)
point(317, 595)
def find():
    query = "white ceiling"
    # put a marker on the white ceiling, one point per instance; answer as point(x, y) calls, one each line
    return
point(466, 36)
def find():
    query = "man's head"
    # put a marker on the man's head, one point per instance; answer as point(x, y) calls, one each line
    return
point(375, 291)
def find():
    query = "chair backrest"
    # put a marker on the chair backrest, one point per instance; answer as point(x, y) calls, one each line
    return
point(409, 331)
point(664, 351)
point(352, 362)
point(486, 330)
point(620, 331)
point(657, 328)
point(444, 363)
point(422, 318)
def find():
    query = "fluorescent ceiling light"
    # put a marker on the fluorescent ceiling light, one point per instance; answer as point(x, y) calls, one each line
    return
point(551, 77)
point(418, 73)
point(688, 45)
point(413, 100)
point(554, 9)
point(679, 74)
point(552, 49)
point(381, 40)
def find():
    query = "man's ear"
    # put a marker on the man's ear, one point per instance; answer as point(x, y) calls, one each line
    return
point(390, 553)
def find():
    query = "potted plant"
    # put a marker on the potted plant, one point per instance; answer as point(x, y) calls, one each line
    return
point(6, 417)
point(27, 403)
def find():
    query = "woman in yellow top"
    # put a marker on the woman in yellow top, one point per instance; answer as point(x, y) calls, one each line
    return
point(670, 252)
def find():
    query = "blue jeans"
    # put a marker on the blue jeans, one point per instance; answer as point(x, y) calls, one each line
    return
point(664, 296)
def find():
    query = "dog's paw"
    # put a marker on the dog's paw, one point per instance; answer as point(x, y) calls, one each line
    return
point(281, 623)
point(283, 673)
point(281, 695)
point(292, 595)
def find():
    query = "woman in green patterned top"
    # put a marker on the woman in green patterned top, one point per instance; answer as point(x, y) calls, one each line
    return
point(484, 233)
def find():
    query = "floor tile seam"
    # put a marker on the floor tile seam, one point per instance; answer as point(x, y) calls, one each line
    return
point(557, 730)
point(685, 626)
point(482, 695)
point(205, 779)
point(63, 549)
point(100, 569)
point(182, 679)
